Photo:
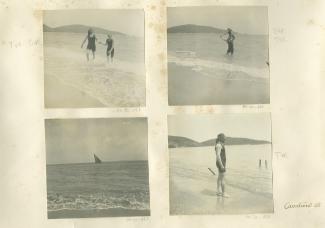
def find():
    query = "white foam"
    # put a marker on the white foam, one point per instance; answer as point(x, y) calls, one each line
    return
point(115, 84)
point(198, 65)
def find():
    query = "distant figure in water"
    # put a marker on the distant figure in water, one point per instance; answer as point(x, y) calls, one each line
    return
point(221, 164)
point(91, 46)
point(110, 48)
point(230, 41)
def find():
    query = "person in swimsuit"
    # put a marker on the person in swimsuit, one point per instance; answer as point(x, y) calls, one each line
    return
point(221, 164)
point(91, 46)
point(110, 48)
point(230, 41)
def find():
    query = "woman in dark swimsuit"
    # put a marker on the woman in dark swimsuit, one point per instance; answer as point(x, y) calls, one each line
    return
point(110, 48)
point(230, 41)
point(91, 46)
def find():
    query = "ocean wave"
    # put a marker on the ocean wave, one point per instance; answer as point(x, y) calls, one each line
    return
point(78, 59)
point(117, 84)
point(200, 65)
point(134, 201)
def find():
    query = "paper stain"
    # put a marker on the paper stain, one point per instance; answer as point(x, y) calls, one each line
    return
point(38, 15)
point(310, 22)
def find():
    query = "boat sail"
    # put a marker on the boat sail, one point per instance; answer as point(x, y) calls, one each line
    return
point(97, 160)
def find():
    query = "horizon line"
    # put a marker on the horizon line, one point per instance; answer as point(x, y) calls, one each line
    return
point(226, 138)
point(79, 163)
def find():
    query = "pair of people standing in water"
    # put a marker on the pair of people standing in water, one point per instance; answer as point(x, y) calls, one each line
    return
point(91, 46)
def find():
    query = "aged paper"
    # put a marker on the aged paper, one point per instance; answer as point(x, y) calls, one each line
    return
point(45, 121)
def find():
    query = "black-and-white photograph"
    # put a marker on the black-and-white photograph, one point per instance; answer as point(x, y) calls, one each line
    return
point(97, 168)
point(218, 55)
point(220, 164)
point(94, 58)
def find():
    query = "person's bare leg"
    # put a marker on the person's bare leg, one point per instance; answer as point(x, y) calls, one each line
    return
point(219, 184)
point(93, 55)
point(223, 186)
point(222, 183)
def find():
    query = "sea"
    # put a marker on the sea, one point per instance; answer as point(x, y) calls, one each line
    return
point(121, 83)
point(242, 170)
point(122, 185)
point(199, 60)
point(207, 50)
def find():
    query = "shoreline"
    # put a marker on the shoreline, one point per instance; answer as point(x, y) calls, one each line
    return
point(113, 212)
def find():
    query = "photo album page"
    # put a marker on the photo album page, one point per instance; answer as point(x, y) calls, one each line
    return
point(167, 113)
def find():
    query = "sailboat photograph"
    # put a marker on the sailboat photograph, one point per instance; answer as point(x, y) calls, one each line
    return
point(78, 187)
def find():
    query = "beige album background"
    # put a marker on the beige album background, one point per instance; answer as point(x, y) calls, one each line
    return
point(296, 47)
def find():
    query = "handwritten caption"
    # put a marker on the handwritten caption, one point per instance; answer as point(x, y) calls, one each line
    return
point(299, 205)
point(281, 155)
point(123, 110)
point(279, 34)
point(258, 106)
point(20, 43)
point(139, 219)
point(266, 216)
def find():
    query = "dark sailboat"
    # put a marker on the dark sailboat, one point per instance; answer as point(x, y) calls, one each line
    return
point(97, 160)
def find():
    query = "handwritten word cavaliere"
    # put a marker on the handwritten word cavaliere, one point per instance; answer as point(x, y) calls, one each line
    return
point(289, 205)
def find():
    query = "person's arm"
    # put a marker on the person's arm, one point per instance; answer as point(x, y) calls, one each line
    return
point(102, 43)
point(84, 41)
point(222, 37)
point(218, 149)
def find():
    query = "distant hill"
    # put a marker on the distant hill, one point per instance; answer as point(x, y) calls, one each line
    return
point(235, 141)
point(78, 29)
point(189, 28)
point(178, 141)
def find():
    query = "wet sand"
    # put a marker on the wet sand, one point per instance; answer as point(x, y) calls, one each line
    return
point(117, 212)
point(189, 87)
point(61, 95)
point(192, 187)
point(190, 196)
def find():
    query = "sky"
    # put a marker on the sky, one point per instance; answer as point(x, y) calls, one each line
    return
point(111, 139)
point(205, 127)
point(242, 19)
point(128, 21)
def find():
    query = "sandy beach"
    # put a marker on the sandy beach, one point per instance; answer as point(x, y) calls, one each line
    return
point(193, 187)
point(189, 87)
point(199, 197)
point(57, 93)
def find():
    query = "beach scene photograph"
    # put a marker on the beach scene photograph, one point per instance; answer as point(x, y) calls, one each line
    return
point(220, 164)
point(94, 58)
point(218, 55)
point(97, 168)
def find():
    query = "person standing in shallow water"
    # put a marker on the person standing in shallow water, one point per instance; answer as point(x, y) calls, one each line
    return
point(221, 164)
point(230, 41)
point(110, 48)
point(91, 46)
